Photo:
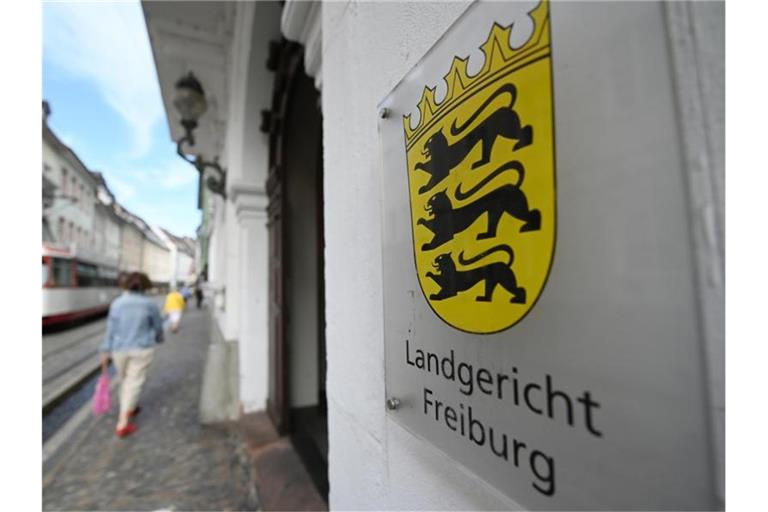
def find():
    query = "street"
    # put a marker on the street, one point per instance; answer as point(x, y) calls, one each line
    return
point(171, 462)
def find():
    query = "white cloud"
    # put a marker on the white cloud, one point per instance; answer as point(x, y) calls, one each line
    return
point(178, 174)
point(107, 43)
point(171, 174)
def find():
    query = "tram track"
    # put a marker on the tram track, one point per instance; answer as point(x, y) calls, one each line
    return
point(70, 366)
point(84, 371)
point(57, 350)
point(91, 354)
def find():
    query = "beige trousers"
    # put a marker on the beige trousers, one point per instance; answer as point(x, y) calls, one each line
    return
point(131, 367)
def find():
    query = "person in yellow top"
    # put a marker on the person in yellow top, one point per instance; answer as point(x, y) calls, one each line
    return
point(174, 307)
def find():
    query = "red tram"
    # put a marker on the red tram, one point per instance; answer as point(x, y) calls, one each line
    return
point(74, 288)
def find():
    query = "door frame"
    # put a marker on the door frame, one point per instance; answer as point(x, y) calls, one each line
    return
point(285, 60)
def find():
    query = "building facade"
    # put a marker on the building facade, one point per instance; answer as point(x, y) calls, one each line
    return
point(70, 216)
point(182, 257)
point(155, 256)
point(299, 249)
point(82, 218)
point(106, 224)
point(131, 242)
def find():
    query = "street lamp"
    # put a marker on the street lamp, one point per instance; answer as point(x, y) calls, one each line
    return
point(191, 104)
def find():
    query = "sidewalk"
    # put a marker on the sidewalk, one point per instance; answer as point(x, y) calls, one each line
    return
point(171, 462)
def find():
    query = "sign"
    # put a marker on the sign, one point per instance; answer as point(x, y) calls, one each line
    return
point(566, 379)
point(482, 182)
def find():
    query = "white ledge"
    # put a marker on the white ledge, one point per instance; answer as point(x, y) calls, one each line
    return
point(249, 198)
point(302, 22)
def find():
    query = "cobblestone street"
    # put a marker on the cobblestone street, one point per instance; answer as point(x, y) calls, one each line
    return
point(171, 462)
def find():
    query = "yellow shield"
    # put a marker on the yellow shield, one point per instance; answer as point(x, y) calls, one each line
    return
point(481, 173)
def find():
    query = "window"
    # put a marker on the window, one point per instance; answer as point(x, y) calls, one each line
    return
point(62, 228)
point(107, 276)
point(71, 232)
point(62, 272)
point(46, 271)
point(64, 187)
point(87, 275)
point(74, 188)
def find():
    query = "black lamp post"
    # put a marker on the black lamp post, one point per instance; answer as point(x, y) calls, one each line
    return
point(190, 102)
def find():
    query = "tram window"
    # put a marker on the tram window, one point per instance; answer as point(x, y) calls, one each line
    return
point(107, 277)
point(46, 272)
point(86, 275)
point(62, 272)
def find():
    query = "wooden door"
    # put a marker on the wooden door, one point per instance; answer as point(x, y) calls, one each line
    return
point(277, 399)
point(284, 60)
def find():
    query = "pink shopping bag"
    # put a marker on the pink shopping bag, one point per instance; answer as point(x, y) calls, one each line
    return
point(102, 401)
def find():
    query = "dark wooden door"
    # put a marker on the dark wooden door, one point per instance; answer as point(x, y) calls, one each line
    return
point(285, 61)
point(277, 400)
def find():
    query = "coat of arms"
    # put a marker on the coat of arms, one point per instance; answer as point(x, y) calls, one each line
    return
point(481, 175)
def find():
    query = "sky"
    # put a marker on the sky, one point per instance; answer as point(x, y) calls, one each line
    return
point(100, 81)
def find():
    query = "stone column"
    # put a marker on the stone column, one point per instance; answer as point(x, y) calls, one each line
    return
point(219, 396)
point(250, 203)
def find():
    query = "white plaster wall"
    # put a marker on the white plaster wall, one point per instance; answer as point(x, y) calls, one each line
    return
point(214, 249)
point(81, 212)
point(230, 326)
point(184, 266)
point(373, 463)
point(112, 240)
point(156, 262)
point(257, 24)
point(98, 236)
point(224, 278)
point(217, 264)
point(253, 344)
point(132, 248)
point(258, 91)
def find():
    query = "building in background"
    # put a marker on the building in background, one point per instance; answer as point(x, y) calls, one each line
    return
point(182, 257)
point(82, 218)
point(106, 224)
point(71, 214)
point(48, 200)
point(131, 241)
point(155, 256)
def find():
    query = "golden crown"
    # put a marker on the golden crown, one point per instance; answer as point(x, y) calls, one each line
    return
point(500, 58)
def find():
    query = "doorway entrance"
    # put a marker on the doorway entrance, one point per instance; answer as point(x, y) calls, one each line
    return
point(296, 401)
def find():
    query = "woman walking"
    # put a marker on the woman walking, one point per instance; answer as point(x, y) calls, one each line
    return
point(134, 327)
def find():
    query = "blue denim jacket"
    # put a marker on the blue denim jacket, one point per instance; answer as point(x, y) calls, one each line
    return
point(133, 322)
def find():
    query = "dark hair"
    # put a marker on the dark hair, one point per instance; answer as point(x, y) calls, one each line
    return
point(138, 282)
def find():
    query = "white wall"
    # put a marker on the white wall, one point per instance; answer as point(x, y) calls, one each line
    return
point(217, 256)
point(373, 463)
point(248, 148)
point(184, 262)
point(79, 212)
point(132, 247)
point(367, 48)
point(156, 262)
point(112, 239)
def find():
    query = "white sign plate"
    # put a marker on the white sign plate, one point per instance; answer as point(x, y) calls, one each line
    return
point(540, 323)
